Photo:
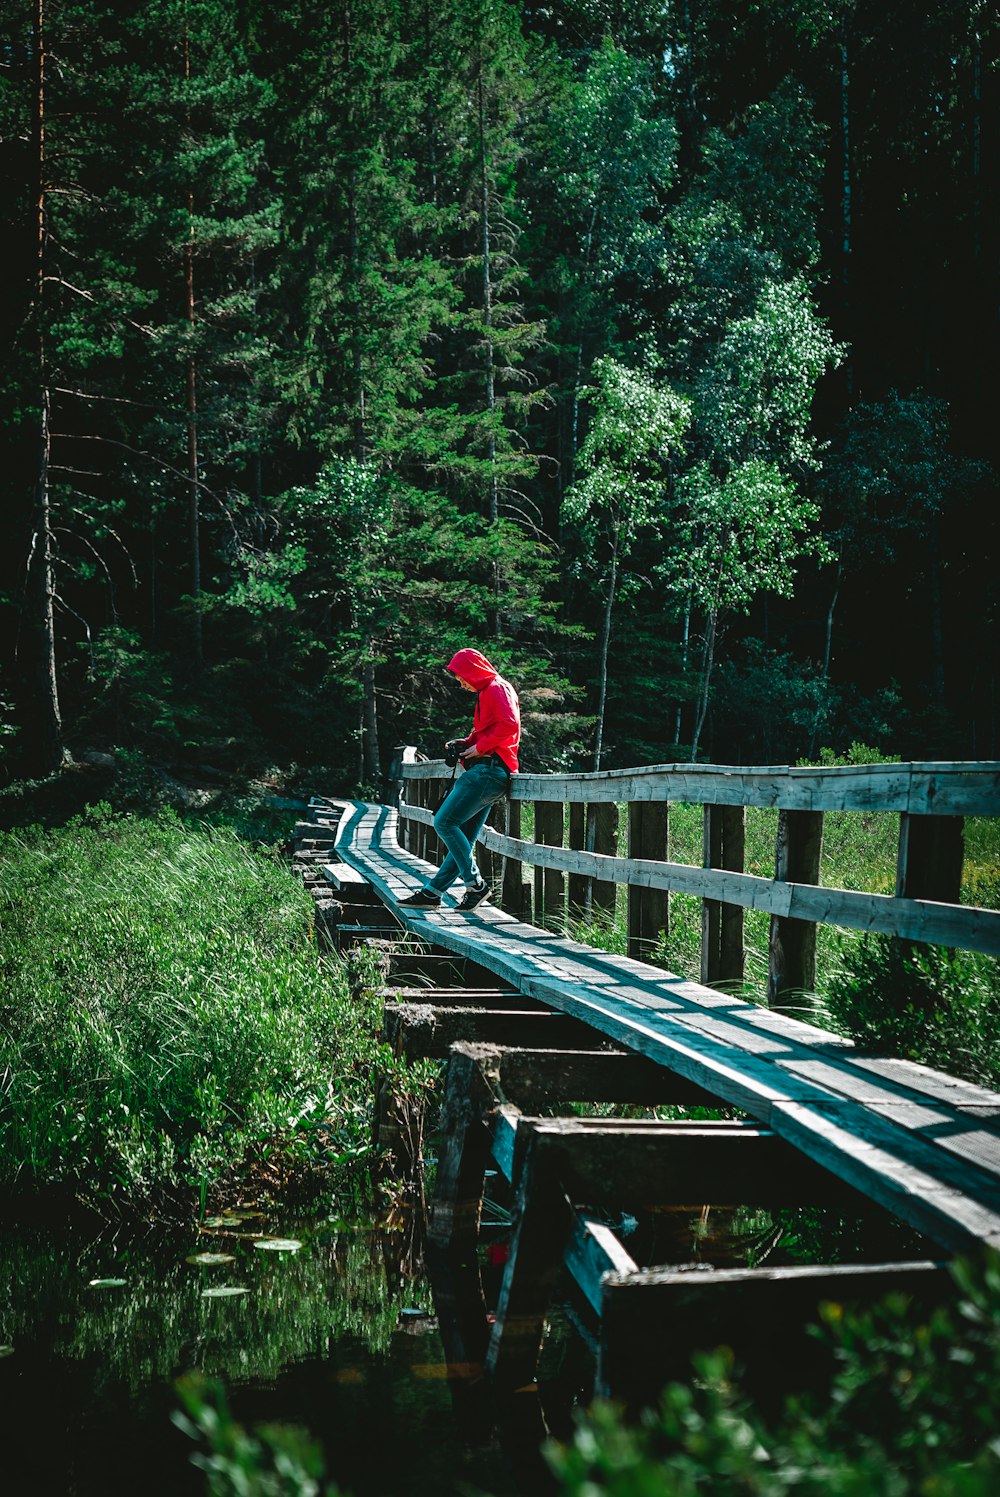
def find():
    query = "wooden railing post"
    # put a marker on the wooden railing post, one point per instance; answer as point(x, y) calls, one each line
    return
point(648, 909)
point(550, 883)
point(722, 950)
point(792, 945)
point(577, 882)
point(604, 894)
point(931, 854)
point(513, 889)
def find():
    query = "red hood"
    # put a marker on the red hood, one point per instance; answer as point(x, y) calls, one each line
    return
point(470, 666)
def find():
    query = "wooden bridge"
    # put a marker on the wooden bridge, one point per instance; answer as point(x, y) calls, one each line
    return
point(530, 1021)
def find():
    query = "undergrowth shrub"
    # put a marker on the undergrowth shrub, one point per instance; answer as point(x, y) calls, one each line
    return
point(912, 1412)
point(165, 1013)
point(927, 1003)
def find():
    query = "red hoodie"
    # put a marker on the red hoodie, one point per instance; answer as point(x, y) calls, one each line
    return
point(496, 722)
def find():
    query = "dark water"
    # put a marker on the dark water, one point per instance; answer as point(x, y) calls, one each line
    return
point(334, 1336)
point(341, 1336)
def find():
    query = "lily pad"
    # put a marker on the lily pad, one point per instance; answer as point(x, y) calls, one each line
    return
point(218, 1221)
point(107, 1283)
point(211, 1258)
point(278, 1244)
point(6, 1351)
point(222, 1291)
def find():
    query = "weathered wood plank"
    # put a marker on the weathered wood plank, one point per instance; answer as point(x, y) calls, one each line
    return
point(420, 1032)
point(652, 1321)
point(594, 1250)
point(463, 1151)
point(542, 1218)
point(538, 1078)
point(964, 788)
point(639, 1163)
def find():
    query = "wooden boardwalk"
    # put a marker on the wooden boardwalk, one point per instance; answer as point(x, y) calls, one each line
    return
point(919, 1143)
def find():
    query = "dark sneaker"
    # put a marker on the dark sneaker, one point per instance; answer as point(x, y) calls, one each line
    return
point(473, 897)
point(424, 899)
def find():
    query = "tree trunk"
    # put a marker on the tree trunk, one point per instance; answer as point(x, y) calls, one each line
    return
point(194, 494)
point(846, 191)
point(827, 654)
point(685, 646)
point(372, 756)
point(492, 494)
point(602, 687)
point(708, 660)
point(47, 751)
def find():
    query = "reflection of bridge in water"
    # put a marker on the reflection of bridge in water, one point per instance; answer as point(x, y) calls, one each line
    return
point(531, 1022)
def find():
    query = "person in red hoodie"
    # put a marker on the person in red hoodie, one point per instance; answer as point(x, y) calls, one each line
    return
point(489, 758)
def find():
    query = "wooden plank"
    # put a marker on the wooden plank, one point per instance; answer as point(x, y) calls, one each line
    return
point(420, 1032)
point(541, 1222)
point(952, 1202)
point(792, 942)
point(653, 1320)
point(962, 788)
point(538, 1078)
point(343, 876)
point(648, 909)
point(641, 1163)
point(594, 1250)
point(463, 1151)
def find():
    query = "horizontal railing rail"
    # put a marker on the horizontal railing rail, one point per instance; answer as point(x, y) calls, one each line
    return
point(932, 801)
point(966, 788)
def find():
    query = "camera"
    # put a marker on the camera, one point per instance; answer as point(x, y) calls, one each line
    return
point(451, 754)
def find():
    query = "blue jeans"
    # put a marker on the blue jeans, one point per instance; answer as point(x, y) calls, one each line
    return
point(460, 818)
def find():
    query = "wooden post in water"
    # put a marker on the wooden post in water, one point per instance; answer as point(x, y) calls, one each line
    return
point(550, 883)
point(648, 909)
point(722, 951)
point(792, 945)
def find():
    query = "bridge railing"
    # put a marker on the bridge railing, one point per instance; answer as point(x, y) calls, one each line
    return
point(575, 852)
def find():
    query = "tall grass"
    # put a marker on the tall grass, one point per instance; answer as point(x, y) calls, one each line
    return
point(164, 1011)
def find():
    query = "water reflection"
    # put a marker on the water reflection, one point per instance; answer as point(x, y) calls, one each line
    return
point(331, 1335)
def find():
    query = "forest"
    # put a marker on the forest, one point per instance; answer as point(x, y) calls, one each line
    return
point(645, 346)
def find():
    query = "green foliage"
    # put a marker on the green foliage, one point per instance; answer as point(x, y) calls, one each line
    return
point(928, 1003)
point(912, 1412)
point(165, 1014)
point(739, 535)
point(277, 1460)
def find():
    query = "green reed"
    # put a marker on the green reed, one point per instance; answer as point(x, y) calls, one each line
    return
point(165, 1013)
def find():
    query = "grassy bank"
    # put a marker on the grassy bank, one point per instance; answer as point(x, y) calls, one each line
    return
point(165, 1017)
